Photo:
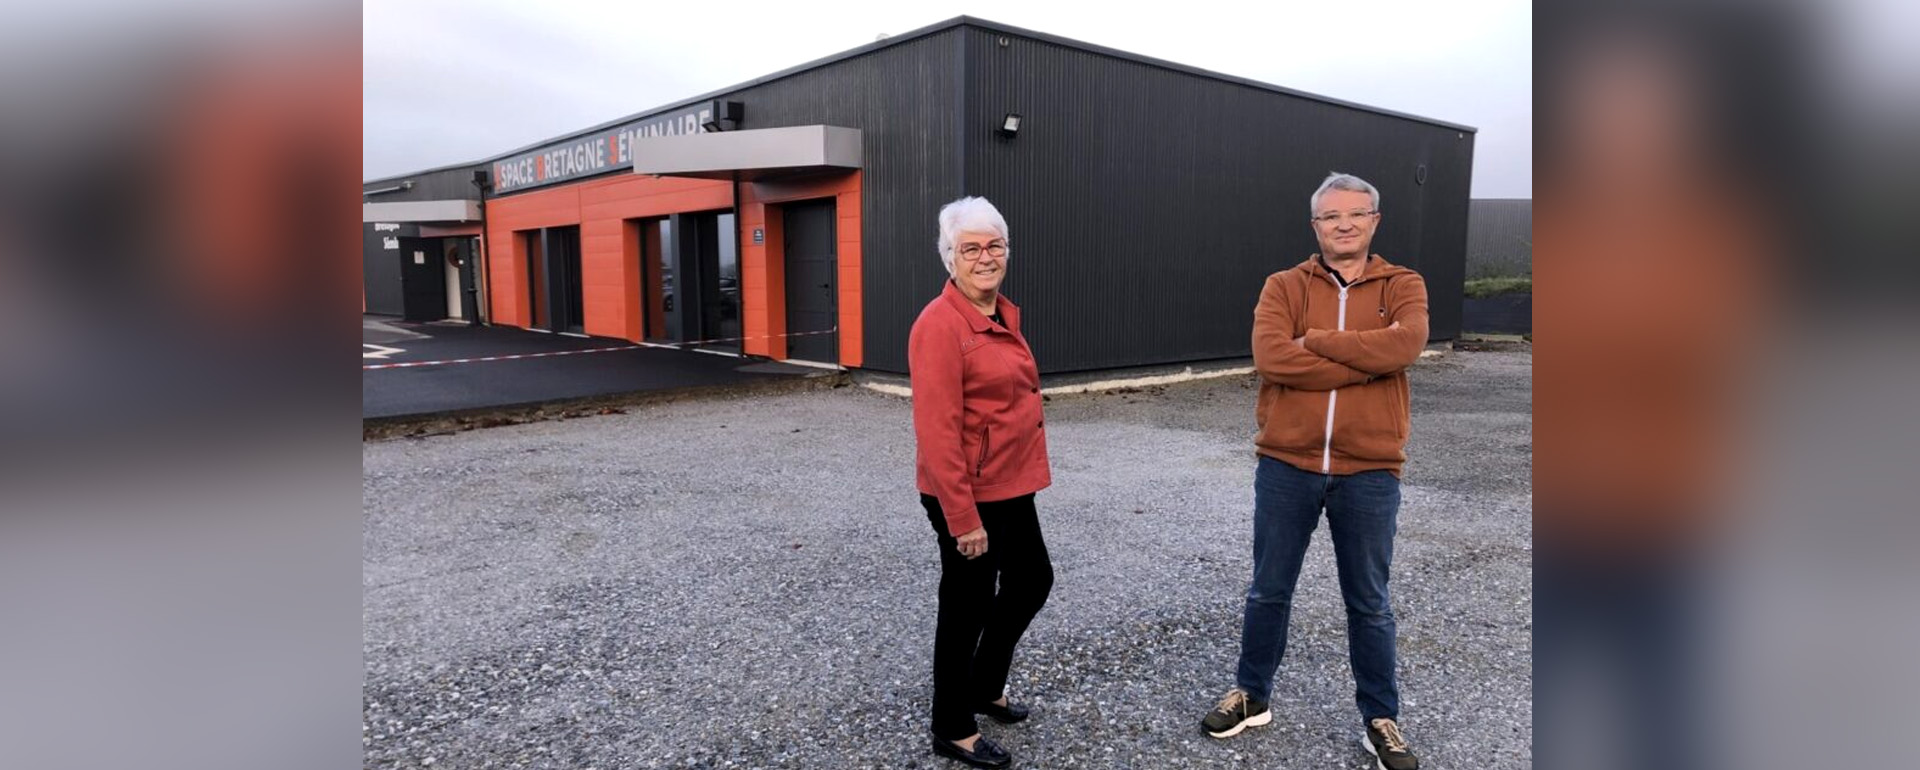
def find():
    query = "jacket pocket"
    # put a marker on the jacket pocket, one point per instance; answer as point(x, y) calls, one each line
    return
point(985, 447)
point(1369, 422)
point(1293, 420)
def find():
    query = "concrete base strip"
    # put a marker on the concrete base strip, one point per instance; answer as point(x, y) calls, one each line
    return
point(1188, 374)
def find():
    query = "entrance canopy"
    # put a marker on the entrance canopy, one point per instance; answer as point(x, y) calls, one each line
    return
point(753, 154)
point(421, 211)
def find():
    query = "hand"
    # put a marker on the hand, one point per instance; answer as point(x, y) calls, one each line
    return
point(973, 544)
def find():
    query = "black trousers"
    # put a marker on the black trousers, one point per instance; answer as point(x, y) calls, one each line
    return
point(978, 626)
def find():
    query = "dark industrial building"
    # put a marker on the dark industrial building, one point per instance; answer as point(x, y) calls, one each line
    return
point(792, 217)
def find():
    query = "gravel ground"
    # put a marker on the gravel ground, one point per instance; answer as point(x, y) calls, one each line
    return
point(749, 582)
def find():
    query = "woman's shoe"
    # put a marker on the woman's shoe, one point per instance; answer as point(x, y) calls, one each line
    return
point(1006, 715)
point(984, 753)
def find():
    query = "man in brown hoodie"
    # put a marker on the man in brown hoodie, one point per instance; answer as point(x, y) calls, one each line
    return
point(1332, 339)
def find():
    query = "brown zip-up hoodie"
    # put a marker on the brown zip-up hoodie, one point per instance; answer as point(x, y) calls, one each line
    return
point(1337, 401)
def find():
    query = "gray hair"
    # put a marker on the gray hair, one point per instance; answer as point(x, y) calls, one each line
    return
point(1339, 181)
point(968, 215)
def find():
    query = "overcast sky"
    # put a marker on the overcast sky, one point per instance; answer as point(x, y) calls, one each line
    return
point(453, 82)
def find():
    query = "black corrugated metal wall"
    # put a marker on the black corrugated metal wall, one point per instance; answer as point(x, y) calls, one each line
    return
point(1148, 205)
point(454, 183)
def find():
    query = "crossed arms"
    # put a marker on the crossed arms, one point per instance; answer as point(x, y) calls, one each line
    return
point(1326, 360)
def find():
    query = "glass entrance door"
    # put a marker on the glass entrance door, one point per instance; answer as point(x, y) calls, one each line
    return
point(721, 285)
point(690, 284)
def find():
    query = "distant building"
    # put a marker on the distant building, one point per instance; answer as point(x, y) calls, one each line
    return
point(1499, 237)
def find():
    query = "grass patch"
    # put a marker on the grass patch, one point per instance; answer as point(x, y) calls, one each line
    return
point(1480, 288)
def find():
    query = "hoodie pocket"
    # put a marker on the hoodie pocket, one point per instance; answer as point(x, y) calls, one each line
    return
point(1370, 422)
point(1293, 420)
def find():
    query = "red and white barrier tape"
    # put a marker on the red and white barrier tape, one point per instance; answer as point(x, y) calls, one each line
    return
point(643, 345)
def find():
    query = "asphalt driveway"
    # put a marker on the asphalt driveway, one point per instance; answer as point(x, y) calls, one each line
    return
point(415, 370)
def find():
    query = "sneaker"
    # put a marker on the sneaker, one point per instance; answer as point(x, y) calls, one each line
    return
point(1388, 747)
point(1236, 712)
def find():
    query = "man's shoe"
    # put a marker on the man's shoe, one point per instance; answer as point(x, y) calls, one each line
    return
point(984, 753)
point(1388, 747)
point(1006, 715)
point(1236, 712)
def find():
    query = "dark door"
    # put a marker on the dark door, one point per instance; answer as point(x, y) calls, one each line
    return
point(423, 279)
point(564, 281)
point(553, 269)
point(382, 271)
point(812, 281)
point(465, 253)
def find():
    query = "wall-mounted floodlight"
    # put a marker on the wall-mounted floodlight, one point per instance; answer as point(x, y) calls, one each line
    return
point(1010, 125)
point(722, 115)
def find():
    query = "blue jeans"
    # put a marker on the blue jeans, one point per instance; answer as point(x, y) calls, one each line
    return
point(1362, 509)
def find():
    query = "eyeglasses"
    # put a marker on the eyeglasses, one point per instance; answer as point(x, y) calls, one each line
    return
point(1331, 218)
point(971, 251)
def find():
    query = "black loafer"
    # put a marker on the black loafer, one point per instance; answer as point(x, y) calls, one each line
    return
point(984, 753)
point(1006, 715)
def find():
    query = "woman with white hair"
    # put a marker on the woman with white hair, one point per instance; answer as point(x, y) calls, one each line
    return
point(982, 454)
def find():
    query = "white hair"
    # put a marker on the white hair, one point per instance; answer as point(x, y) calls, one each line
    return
point(1339, 181)
point(968, 215)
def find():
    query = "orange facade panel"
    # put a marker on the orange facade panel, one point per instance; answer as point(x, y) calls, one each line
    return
point(610, 245)
point(610, 294)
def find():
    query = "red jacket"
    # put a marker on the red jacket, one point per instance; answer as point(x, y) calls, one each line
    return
point(977, 424)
